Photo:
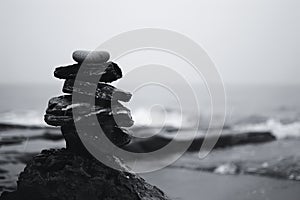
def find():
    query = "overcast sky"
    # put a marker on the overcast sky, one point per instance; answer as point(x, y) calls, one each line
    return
point(253, 41)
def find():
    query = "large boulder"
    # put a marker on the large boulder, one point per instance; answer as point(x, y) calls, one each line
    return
point(62, 175)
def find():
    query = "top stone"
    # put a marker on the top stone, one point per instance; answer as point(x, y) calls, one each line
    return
point(90, 56)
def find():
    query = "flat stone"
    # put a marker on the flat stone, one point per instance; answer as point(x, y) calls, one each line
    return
point(62, 105)
point(105, 72)
point(119, 116)
point(54, 120)
point(90, 56)
point(60, 112)
point(103, 91)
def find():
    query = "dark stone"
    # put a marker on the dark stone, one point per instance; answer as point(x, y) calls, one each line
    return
point(58, 105)
point(116, 135)
point(54, 120)
point(60, 112)
point(103, 91)
point(62, 106)
point(107, 116)
point(73, 142)
point(61, 175)
point(107, 72)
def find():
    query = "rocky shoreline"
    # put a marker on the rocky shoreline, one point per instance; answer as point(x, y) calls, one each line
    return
point(254, 159)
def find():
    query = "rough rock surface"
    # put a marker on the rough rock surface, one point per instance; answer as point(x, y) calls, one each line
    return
point(60, 112)
point(61, 175)
point(62, 105)
point(103, 91)
point(122, 119)
point(116, 135)
point(107, 72)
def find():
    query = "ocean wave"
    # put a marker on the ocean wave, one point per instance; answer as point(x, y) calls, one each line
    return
point(171, 118)
point(142, 117)
point(163, 118)
point(25, 118)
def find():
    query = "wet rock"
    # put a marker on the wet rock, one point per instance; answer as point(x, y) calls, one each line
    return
point(107, 72)
point(61, 175)
point(54, 120)
point(103, 91)
point(60, 112)
point(106, 116)
point(59, 105)
point(143, 145)
point(90, 56)
point(63, 106)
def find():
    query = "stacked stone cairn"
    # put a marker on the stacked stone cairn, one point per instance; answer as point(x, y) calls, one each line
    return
point(107, 107)
point(71, 173)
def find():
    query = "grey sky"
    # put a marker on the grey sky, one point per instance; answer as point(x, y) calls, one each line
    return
point(255, 41)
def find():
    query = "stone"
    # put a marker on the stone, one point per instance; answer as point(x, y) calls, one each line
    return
point(61, 111)
point(62, 105)
point(118, 136)
point(107, 72)
point(90, 56)
point(54, 120)
point(121, 118)
point(103, 91)
point(61, 175)
point(57, 105)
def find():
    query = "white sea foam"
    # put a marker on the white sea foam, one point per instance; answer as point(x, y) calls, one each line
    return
point(23, 117)
point(161, 118)
point(279, 129)
point(228, 168)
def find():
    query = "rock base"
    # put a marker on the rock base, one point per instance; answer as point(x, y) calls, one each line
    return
point(62, 175)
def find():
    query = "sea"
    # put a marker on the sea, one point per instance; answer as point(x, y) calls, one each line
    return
point(274, 108)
